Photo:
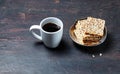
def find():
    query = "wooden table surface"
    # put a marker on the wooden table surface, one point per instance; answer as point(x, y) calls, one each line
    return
point(21, 53)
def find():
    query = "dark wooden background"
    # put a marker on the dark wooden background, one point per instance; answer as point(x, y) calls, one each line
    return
point(21, 53)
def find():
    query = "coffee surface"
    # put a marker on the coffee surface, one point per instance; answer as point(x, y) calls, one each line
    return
point(51, 27)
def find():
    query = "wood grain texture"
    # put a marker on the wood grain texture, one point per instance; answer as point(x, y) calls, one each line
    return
point(21, 53)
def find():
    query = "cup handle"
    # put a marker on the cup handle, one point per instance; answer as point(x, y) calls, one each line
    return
point(35, 27)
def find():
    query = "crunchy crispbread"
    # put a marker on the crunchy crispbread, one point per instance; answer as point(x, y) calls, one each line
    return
point(89, 31)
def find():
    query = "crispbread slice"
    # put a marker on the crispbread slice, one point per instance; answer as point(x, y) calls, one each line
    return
point(95, 26)
point(91, 37)
point(79, 35)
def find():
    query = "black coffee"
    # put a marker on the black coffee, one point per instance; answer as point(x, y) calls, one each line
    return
point(51, 27)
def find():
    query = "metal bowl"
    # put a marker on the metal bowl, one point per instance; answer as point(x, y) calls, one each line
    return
point(73, 37)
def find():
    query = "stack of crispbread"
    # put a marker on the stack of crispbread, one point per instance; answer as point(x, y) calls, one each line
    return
point(89, 31)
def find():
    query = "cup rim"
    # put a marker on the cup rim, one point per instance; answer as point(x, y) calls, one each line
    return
point(55, 18)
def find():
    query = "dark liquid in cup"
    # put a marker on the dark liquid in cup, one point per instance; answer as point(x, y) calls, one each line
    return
point(51, 27)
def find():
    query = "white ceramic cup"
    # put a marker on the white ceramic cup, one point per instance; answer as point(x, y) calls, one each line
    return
point(50, 39)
